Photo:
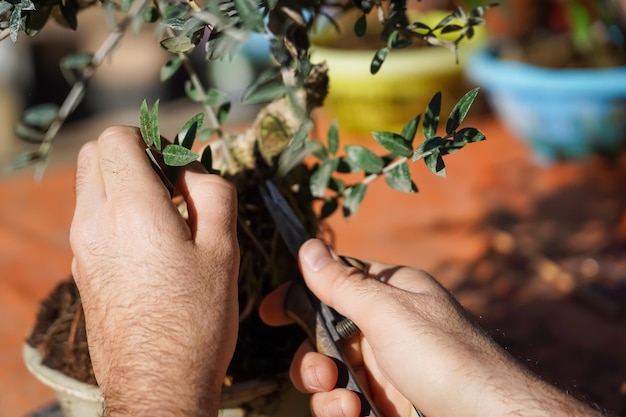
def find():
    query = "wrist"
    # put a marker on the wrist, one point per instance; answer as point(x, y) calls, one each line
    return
point(161, 393)
point(161, 378)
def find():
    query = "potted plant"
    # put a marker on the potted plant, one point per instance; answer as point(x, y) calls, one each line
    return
point(362, 101)
point(309, 172)
point(560, 82)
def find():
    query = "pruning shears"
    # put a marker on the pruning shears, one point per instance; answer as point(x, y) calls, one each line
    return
point(326, 328)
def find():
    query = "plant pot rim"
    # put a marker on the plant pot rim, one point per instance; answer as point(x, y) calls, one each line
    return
point(57, 380)
point(231, 396)
point(485, 68)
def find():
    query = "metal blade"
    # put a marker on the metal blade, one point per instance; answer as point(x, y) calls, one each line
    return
point(291, 229)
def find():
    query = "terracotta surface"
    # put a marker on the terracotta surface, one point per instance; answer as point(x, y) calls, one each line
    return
point(463, 229)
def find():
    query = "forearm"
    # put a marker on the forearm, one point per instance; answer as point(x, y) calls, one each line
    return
point(512, 390)
point(161, 379)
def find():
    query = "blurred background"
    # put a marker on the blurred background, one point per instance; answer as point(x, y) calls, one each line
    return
point(528, 229)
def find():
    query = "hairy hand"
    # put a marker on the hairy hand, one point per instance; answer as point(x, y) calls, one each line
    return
point(418, 346)
point(159, 292)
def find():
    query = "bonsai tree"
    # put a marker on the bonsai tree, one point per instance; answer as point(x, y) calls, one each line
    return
point(274, 146)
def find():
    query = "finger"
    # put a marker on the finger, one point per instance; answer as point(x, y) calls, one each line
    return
point(90, 196)
point(126, 169)
point(88, 186)
point(272, 309)
point(339, 402)
point(311, 371)
point(405, 278)
point(346, 289)
point(212, 206)
point(342, 287)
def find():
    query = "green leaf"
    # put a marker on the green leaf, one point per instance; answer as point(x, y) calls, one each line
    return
point(150, 15)
point(333, 138)
point(435, 163)
point(187, 133)
point(409, 129)
point(222, 112)
point(329, 207)
point(444, 21)
point(360, 26)
point(15, 23)
point(166, 176)
point(125, 5)
point(36, 19)
point(24, 160)
point(450, 29)
point(360, 157)
point(352, 201)
point(431, 118)
point(177, 44)
point(458, 113)
point(266, 87)
point(177, 156)
point(300, 136)
point(392, 39)
point(469, 134)
point(174, 23)
point(216, 98)
point(69, 10)
point(419, 26)
point(5, 6)
point(72, 66)
point(206, 133)
point(250, 14)
point(293, 156)
point(393, 142)
point(149, 124)
point(207, 161)
point(321, 176)
point(264, 94)
point(428, 147)
point(191, 92)
point(76, 61)
point(170, 68)
point(336, 185)
point(28, 134)
point(378, 59)
point(40, 116)
point(399, 178)
point(154, 120)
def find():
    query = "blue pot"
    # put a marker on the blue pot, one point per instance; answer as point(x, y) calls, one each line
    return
point(561, 113)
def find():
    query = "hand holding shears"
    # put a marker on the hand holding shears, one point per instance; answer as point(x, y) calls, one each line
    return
point(326, 328)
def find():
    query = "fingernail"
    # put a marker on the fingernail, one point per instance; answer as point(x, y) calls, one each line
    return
point(315, 255)
point(333, 408)
point(312, 379)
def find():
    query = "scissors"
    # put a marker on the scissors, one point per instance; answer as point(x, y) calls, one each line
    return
point(326, 328)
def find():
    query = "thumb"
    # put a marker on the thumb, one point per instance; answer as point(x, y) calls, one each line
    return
point(340, 286)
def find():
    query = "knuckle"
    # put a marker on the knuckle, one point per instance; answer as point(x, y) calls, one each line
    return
point(116, 133)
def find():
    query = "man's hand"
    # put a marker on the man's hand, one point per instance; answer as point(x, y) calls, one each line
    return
point(159, 292)
point(418, 346)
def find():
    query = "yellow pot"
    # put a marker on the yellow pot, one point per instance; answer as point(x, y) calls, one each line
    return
point(362, 102)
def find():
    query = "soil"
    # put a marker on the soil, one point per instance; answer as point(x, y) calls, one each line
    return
point(59, 333)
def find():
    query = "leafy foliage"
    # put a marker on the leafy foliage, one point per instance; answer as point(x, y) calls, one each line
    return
point(394, 165)
point(225, 25)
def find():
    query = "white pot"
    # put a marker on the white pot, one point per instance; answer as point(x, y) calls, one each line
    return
point(77, 399)
point(272, 398)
